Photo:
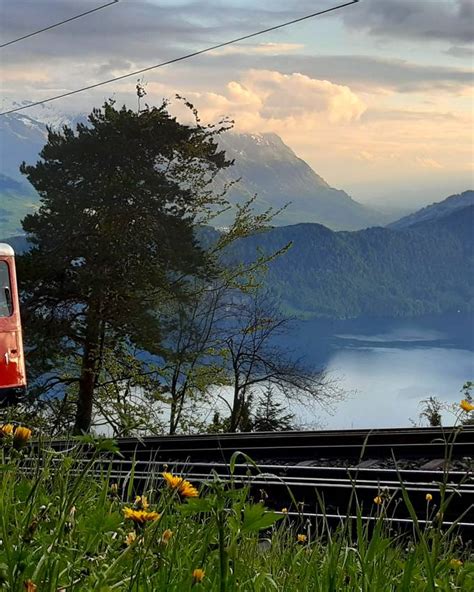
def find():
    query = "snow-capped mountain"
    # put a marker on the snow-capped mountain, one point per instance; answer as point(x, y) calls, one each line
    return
point(265, 165)
point(270, 169)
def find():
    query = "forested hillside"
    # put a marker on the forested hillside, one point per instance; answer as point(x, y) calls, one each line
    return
point(377, 271)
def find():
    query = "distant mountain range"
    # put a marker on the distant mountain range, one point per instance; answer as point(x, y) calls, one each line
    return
point(436, 210)
point(264, 164)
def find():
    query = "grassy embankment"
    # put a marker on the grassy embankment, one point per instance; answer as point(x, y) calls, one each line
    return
point(65, 530)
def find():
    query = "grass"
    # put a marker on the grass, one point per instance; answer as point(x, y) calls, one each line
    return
point(65, 530)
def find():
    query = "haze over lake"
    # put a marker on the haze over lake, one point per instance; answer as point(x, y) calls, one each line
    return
point(387, 365)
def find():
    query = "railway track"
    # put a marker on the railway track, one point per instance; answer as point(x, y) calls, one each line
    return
point(410, 443)
point(324, 475)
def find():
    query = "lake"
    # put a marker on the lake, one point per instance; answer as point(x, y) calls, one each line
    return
point(386, 366)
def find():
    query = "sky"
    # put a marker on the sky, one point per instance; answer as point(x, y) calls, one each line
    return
point(377, 96)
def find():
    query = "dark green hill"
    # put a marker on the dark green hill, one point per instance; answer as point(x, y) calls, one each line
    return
point(378, 271)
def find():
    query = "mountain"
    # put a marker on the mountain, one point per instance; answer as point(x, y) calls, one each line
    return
point(436, 210)
point(16, 200)
point(267, 167)
point(427, 268)
point(263, 163)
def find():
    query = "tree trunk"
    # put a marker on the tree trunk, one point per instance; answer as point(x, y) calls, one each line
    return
point(87, 380)
point(235, 414)
point(173, 422)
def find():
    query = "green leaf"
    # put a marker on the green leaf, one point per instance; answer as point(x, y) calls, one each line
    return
point(197, 506)
point(257, 517)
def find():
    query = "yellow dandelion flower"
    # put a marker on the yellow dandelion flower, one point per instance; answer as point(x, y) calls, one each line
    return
point(198, 575)
point(140, 516)
point(302, 538)
point(183, 487)
point(166, 536)
point(141, 502)
point(130, 538)
point(429, 497)
point(455, 563)
point(188, 490)
point(466, 405)
point(21, 436)
point(378, 500)
point(6, 430)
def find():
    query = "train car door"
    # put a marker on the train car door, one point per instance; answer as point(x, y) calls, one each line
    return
point(12, 361)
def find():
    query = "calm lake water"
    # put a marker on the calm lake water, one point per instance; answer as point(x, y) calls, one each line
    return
point(387, 366)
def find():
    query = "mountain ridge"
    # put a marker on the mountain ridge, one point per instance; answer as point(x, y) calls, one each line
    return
point(435, 210)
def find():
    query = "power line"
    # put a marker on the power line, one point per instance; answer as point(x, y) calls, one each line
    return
point(181, 58)
point(73, 18)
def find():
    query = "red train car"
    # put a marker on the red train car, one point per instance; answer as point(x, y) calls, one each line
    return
point(12, 360)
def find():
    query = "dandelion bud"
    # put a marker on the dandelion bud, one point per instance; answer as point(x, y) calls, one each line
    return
point(198, 575)
point(166, 536)
point(21, 437)
point(6, 430)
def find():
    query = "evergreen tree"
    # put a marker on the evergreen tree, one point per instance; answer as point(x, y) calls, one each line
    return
point(113, 240)
point(270, 415)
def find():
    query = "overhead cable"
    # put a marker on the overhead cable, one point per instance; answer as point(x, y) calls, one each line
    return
point(72, 18)
point(180, 59)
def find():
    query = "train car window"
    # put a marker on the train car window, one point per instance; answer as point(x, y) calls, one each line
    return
point(6, 302)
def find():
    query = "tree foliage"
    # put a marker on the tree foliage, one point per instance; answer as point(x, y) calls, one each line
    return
point(113, 240)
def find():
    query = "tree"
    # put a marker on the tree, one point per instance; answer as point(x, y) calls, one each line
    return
point(254, 357)
point(194, 347)
point(270, 415)
point(113, 241)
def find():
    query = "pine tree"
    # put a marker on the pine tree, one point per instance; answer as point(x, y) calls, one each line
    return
point(270, 415)
point(113, 239)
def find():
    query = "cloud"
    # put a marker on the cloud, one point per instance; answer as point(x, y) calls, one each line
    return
point(436, 20)
point(260, 48)
point(358, 71)
point(460, 51)
point(265, 98)
point(428, 163)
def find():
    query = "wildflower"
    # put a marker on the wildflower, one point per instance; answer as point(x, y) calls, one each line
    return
point(455, 563)
point(140, 516)
point(183, 487)
point(130, 538)
point(141, 502)
point(284, 510)
point(198, 575)
point(6, 430)
point(378, 500)
point(466, 405)
point(166, 536)
point(21, 435)
point(429, 497)
point(114, 489)
point(302, 538)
